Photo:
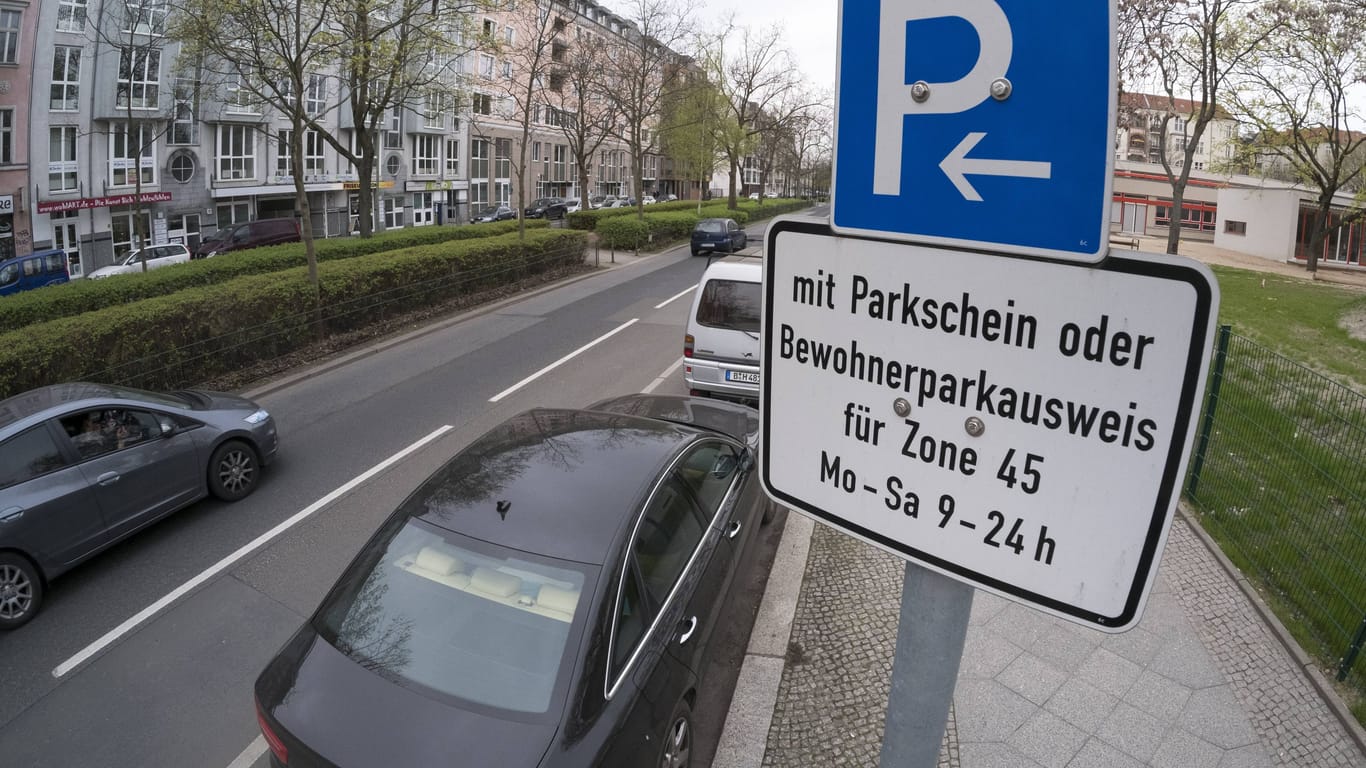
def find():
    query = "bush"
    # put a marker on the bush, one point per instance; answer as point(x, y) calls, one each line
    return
point(671, 225)
point(623, 232)
point(79, 296)
point(176, 340)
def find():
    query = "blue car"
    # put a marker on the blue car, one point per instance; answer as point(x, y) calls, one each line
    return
point(35, 270)
point(712, 235)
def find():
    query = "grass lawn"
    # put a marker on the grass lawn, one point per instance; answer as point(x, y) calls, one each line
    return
point(1283, 486)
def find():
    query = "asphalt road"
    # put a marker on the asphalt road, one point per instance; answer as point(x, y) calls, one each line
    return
point(145, 656)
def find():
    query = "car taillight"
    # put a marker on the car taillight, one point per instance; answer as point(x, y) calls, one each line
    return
point(277, 747)
point(687, 344)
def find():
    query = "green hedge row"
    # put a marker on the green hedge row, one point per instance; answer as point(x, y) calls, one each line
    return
point(659, 228)
point(754, 209)
point(80, 296)
point(175, 340)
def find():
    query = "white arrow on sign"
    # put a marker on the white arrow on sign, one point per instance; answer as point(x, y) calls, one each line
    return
point(957, 167)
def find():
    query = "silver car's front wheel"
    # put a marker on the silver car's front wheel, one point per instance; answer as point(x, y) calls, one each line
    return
point(21, 591)
point(233, 471)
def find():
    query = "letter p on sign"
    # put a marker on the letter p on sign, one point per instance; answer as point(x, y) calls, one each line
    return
point(894, 101)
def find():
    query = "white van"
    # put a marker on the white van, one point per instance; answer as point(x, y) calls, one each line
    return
point(721, 345)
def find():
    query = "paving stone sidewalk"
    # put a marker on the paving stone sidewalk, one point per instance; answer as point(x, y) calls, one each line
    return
point(1201, 681)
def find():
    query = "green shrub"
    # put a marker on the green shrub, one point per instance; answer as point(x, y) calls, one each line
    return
point(176, 340)
point(625, 232)
point(741, 216)
point(670, 225)
point(80, 296)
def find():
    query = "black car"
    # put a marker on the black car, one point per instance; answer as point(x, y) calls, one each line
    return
point(545, 598)
point(547, 208)
point(711, 235)
point(493, 213)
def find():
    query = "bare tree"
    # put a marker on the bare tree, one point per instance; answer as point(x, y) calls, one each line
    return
point(587, 115)
point(530, 60)
point(268, 53)
point(1296, 95)
point(1193, 46)
point(645, 73)
point(757, 79)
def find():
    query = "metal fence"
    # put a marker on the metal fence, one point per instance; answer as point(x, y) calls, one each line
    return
point(1279, 480)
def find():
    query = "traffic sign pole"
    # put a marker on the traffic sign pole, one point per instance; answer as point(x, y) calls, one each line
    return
point(929, 649)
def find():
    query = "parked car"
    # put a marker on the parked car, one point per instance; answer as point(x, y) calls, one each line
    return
point(36, 270)
point(753, 195)
point(572, 205)
point(546, 208)
point(249, 234)
point(493, 213)
point(86, 465)
point(711, 235)
point(770, 195)
point(721, 343)
point(546, 598)
point(647, 200)
point(157, 256)
point(668, 198)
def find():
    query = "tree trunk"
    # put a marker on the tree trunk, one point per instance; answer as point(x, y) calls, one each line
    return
point(734, 169)
point(1174, 227)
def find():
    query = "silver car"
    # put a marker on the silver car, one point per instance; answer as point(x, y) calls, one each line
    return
point(157, 256)
point(85, 465)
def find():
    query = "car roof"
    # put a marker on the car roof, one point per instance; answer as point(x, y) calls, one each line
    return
point(35, 401)
point(746, 269)
point(556, 482)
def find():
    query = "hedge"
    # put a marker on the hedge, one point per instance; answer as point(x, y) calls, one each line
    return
point(715, 208)
point(176, 340)
point(80, 296)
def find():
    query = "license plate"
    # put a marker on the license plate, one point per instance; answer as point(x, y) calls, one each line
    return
point(743, 377)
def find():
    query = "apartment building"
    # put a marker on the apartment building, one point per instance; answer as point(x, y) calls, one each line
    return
point(139, 151)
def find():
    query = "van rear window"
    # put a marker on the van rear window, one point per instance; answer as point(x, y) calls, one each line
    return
point(730, 304)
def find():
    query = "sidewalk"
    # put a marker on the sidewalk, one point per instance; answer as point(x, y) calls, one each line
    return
point(1202, 681)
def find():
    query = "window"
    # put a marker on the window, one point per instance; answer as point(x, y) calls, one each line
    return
point(126, 235)
point(669, 531)
point(453, 158)
point(238, 98)
point(71, 15)
point(503, 192)
point(185, 125)
point(482, 104)
point(536, 152)
point(95, 433)
point(66, 78)
point(507, 35)
point(146, 17)
point(231, 213)
point(6, 135)
point(132, 152)
point(507, 70)
point(139, 76)
point(633, 618)
point(557, 82)
point(64, 237)
point(284, 143)
point(236, 152)
point(393, 212)
point(28, 455)
point(393, 136)
point(479, 158)
point(1235, 227)
point(709, 470)
point(314, 159)
point(502, 159)
point(479, 194)
point(433, 109)
point(182, 167)
point(490, 28)
point(426, 154)
point(61, 159)
point(424, 213)
point(9, 36)
point(485, 65)
point(315, 100)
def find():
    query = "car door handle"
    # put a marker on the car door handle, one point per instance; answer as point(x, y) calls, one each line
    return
point(108, 478)
point(734, 530)
point(11, 514)
point(691, 627)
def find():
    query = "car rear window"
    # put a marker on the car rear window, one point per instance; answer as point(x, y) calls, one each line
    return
point(711, 227)
point(730, 304)
point(455, 617)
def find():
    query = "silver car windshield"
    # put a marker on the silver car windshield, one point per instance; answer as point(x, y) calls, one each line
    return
point(454, 616)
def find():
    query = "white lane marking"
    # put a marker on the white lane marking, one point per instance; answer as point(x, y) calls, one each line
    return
point(563, 360)
point(663, 377)
point(680, 295)
point(249, 755)
point(227, 562)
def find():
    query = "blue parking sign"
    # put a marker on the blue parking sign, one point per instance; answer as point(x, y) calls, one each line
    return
point(986, 124)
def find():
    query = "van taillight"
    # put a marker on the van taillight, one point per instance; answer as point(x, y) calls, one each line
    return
point(687, 345)
point(277, 747)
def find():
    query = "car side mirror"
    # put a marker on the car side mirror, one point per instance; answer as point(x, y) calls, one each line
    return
point(746, 460)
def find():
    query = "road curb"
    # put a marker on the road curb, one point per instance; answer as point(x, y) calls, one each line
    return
point(1303, 661)
point(744, 738)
